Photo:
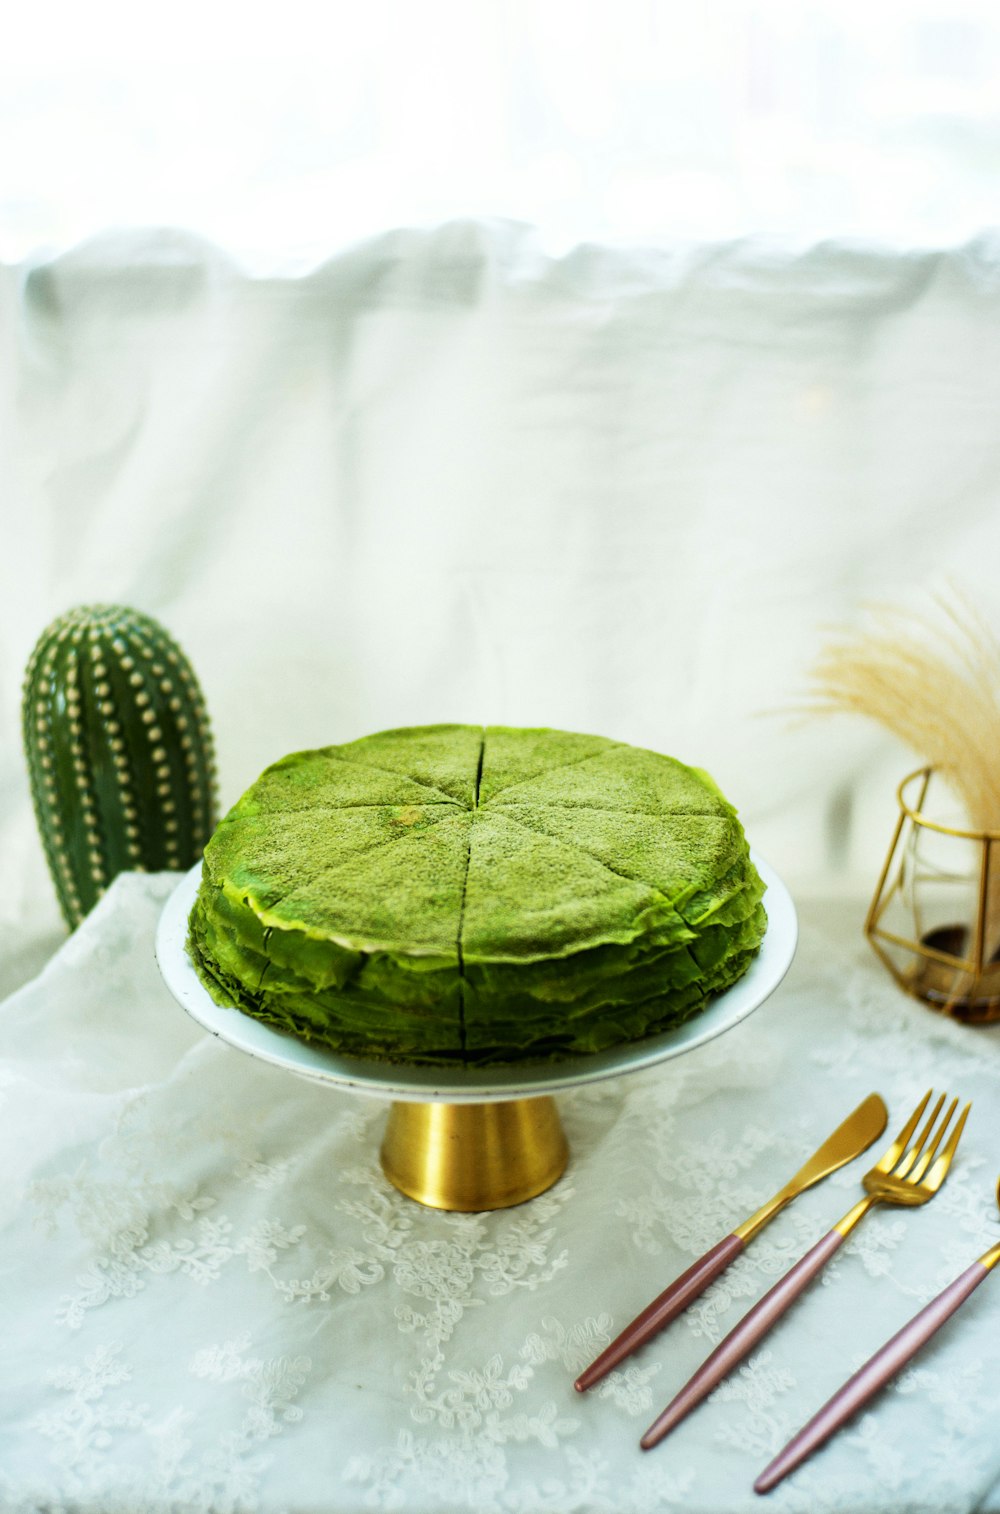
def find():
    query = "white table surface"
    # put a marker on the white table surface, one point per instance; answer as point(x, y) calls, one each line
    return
point(215, 1301)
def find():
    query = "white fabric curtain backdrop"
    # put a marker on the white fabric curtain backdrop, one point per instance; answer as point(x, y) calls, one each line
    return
point(638, 121)
point(446, 476)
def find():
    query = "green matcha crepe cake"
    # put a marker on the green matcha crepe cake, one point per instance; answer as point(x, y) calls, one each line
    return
point(448, 894)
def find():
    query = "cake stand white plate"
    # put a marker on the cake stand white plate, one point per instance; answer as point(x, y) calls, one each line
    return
point(416, 1084)
point(474, 1138)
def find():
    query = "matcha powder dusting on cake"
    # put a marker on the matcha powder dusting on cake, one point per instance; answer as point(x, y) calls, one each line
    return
point(457, 895)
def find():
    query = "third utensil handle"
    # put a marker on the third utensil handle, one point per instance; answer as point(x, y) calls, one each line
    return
point(875, 1373)
point(743, 1338)
point(666, 1307)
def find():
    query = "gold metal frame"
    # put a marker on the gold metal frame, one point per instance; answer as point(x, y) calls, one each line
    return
point(966, 988)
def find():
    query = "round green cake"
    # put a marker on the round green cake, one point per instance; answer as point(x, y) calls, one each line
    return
point(457, 895)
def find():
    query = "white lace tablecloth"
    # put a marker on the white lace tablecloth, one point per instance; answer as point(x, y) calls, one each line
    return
point(215, 1301)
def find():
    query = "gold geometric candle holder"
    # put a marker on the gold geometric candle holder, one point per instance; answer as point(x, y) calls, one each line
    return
point(934, 920)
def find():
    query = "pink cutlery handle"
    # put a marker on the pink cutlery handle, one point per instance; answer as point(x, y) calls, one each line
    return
point(742, 1338)
point(874, 1375)
point(670, 1303)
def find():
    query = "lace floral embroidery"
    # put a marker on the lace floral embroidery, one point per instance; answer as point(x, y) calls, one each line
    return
point(84, 1432)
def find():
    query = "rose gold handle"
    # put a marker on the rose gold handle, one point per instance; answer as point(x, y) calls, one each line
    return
point(742, 1338)
point(670, 1303)
point(875, 1373)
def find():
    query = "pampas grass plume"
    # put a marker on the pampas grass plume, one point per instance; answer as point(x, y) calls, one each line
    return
point(933, 680)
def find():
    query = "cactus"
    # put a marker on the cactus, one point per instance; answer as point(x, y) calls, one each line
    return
point(119, 752)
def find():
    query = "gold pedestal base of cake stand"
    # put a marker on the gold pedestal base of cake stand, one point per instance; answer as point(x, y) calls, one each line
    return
point(474, 1156)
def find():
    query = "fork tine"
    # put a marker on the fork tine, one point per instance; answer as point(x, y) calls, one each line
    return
point(928, 1156)
point(939, 1171)
point(911, 1156)
point(895, 1151)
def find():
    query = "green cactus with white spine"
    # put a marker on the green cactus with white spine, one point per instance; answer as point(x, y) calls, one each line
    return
point(119, 751)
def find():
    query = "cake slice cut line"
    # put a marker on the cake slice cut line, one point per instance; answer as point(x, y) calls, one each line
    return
point(560, 767)
point(681, 945)
point(351, 804)
point(610, 809)
point(334, 755)
point(499, 735)
point(574, 846)
point(585, 851)
point(461, 904)
point(348, 858)
point(561, 803)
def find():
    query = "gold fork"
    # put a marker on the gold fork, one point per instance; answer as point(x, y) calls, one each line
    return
point(904, 1175)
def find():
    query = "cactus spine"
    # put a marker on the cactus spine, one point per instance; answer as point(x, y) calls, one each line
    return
point(119, 751)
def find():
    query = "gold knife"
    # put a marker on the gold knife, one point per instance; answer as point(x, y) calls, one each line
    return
point(848, 1141)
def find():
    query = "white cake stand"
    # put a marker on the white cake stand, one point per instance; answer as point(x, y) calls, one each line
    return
point(475, 1138)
